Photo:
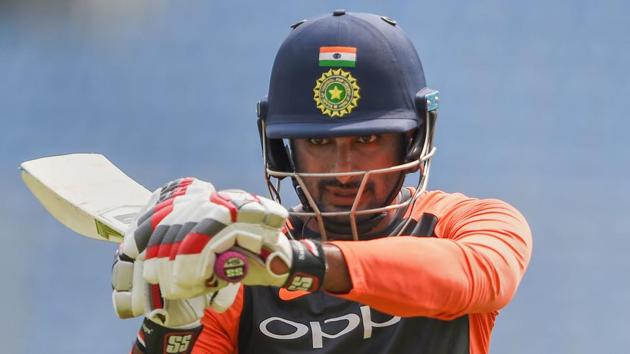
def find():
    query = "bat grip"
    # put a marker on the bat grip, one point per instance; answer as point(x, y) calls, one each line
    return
point(231, 265)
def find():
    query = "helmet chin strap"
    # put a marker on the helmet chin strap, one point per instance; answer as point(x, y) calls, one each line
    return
point(306, 206)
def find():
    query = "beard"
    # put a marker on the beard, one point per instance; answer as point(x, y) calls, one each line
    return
point(342, 229)
point(341, 225)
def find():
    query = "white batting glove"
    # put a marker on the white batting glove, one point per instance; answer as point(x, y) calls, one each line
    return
point(133, 296)
point(191, 225)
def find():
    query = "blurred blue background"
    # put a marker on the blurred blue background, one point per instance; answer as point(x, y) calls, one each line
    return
point(532, 112)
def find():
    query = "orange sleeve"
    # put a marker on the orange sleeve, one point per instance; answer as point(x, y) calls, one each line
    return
point(220, 330)
point(474, 265)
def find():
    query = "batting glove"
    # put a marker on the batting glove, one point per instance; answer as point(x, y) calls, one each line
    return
point(191, 226)
point(133, 296)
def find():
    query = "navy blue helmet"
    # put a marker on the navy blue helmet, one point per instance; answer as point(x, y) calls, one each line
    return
point(345, 74)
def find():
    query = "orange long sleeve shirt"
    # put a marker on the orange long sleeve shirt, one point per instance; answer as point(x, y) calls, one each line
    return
point(468, 269)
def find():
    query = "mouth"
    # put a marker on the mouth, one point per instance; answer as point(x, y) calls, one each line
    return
point(341, 197)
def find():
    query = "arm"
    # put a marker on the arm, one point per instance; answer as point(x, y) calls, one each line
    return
point(474, 266)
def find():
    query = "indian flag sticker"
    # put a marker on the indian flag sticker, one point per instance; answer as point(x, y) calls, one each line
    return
point(341, 57)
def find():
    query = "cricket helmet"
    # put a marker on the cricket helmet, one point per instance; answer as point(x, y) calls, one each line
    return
point(346, 74)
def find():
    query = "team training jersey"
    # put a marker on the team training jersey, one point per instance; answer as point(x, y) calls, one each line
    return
point(437, 290)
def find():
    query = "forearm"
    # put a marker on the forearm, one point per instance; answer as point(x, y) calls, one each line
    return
point(473, 265)
point(337, 279)
point(441, 278)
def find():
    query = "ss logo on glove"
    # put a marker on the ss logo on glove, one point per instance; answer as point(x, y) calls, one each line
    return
point(177, 343)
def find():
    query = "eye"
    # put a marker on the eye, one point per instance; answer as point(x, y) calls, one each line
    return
point(318, 141)
point(366, 139)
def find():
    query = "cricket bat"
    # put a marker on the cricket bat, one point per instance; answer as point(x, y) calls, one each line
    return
point(91, 196)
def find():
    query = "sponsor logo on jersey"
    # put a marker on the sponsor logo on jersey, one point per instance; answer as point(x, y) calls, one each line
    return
point(336, 93)
point(270, 327)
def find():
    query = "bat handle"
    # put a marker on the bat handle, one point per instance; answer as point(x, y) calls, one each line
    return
point(231, 266)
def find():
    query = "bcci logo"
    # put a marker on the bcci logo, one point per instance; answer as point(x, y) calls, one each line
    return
point(336, 93)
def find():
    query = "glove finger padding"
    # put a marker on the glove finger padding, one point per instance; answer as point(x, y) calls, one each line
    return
point(259, 271)
point(163, 201)
point(180, 313)
point(133, 297)
point(224, 298)
point(186, 313)
point(129, 288)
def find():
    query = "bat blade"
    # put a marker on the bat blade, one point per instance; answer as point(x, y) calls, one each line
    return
point(90, 195)
point(86, 192)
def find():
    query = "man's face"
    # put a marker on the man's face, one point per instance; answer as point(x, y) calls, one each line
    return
point(346, 154)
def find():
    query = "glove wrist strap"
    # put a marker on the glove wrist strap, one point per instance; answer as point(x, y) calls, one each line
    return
point(153, 338)
point(309, 266)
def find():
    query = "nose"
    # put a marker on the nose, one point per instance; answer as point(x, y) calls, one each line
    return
point(343, 163)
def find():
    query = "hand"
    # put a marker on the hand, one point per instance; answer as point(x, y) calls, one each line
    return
point(190, 224)
point(133, 296)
